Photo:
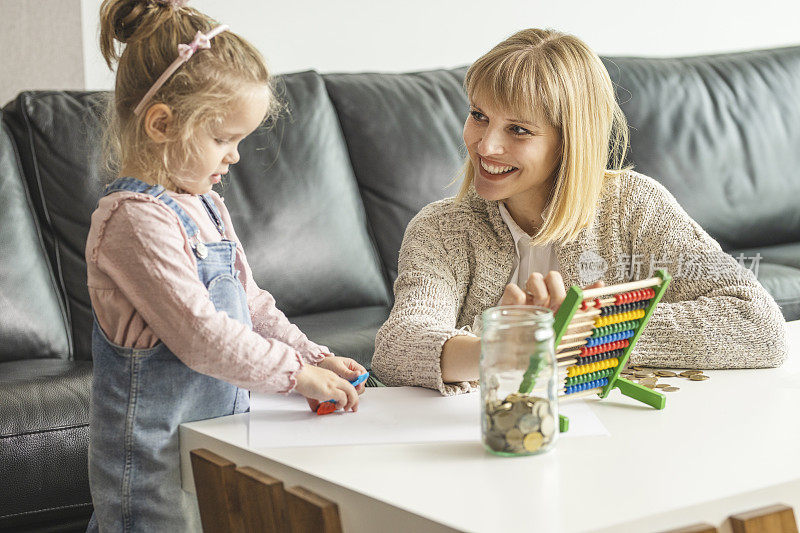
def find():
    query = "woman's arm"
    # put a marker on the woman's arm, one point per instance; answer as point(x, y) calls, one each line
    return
point(714, 314)
point(408, 347)
point(460, 357)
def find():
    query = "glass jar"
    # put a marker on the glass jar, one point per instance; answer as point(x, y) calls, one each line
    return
point(518, 372)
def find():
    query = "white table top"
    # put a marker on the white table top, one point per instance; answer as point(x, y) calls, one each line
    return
point(735, 434)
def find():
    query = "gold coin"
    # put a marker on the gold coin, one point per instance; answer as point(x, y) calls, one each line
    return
point(504, 420)
point(514, 439)
point(662, 386)
point(532, 441)
point(644, 374)
point(650, 383)
point(671, 389)
point(666, 374)
point(690, 373)
point(698, 377)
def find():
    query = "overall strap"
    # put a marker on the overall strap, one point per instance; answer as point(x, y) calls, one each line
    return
point(158, 191)
point(213, 212)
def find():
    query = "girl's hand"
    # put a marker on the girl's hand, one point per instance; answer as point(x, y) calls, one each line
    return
point(320, 385)
point(547, 291)
point(345, 368)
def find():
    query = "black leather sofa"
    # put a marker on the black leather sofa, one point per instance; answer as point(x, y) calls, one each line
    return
point(321, 200)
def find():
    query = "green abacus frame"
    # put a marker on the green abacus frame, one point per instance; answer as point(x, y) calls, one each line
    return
point(575, 296)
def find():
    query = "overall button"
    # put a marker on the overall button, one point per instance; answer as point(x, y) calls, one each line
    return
point(200, 250)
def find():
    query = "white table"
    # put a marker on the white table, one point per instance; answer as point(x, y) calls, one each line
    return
point(726, 445)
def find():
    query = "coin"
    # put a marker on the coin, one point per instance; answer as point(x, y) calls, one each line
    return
point(495, 441)
point(514, 439)
point(542, 409)
point(662, 386)
point(644, 374)
point(671, 389)
point(689, 373)
point(665, 373)
point(532, 441)
point(529, 423)
point(698, 377)
point(548, 426)
point(650, 383)
point(504, 420)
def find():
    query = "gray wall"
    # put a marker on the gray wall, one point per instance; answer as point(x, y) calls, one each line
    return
point(41, 46)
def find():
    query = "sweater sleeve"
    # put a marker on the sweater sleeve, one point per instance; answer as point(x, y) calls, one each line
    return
point(268, 320)
point(714, 313)
point(144, 250)
point(408, 347)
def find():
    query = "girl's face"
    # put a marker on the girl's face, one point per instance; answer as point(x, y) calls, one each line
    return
point(514, 159)
point(219, 144)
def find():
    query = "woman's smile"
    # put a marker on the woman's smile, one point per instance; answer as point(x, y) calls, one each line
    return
point(494, 170)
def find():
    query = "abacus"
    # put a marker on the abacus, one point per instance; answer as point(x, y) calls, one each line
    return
point(595, 331)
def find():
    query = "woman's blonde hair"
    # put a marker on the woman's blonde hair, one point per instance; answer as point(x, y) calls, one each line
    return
point(198, 93)
point(556, 76)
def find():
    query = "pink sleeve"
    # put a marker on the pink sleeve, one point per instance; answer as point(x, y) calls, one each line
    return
point(143, 248)
point(268, 320)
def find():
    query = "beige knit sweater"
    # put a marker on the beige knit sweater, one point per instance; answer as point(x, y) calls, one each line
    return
point(457, 257)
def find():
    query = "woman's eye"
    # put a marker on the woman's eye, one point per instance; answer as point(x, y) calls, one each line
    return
point(478, 116)
point(519, 130)
point(221, 141)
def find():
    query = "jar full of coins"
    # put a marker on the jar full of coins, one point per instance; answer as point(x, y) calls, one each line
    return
point(518, 372)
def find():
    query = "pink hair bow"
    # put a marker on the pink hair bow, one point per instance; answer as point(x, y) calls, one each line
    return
point(201, 40)
point(185, 51)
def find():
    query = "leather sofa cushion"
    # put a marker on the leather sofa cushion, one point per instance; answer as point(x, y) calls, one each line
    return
point(33, 323)
point(722, 133)
point(298, 212)
point(293, 196)
point(403, 134)
point(59, 141)
point(778, 271)
point(44, 431)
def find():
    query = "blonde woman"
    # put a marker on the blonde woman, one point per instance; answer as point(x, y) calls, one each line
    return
point(546, 203)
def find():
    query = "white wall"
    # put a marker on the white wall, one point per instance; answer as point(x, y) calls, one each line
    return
point(376, 35)
point(52, 44)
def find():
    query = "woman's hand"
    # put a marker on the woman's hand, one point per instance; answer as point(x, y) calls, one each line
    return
point(320, 385)
point(547, 291)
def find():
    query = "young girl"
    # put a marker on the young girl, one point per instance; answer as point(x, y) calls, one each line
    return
point(546, 203)
point(182, 331)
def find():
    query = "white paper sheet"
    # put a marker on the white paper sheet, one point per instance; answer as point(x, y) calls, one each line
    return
point(386, 415)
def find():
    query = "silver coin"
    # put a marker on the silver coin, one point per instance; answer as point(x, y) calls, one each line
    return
point(548, 426)
point(529, 423)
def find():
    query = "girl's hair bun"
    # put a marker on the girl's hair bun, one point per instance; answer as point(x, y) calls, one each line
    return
point(122, 20)
point(122, 17)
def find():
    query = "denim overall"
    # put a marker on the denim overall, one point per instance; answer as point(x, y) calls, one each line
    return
point(140, 397)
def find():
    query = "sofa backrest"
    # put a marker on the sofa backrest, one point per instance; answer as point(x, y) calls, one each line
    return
point(293, 197)
point(722, 133)
point(403, 134)
point(33, 321)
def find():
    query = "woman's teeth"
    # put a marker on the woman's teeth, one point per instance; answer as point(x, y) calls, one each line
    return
point(495, 169)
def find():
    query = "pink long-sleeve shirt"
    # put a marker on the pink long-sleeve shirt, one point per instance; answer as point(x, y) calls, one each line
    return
point(144, 288)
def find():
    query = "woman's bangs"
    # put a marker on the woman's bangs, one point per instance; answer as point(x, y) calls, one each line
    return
point(511, 85)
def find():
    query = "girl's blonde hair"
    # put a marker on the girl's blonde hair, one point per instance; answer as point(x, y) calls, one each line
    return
point(556, 76)
point(198, 93)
